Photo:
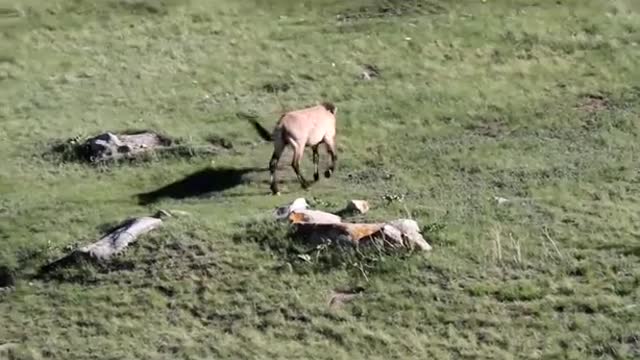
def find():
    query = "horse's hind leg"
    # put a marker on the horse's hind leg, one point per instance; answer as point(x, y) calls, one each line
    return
point(273, 164)
point(316, 160)
point(298, 152)
point(331, 148)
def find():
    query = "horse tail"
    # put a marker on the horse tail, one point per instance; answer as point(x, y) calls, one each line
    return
point(265, 134)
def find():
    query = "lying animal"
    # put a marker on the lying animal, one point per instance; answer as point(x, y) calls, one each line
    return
point(311, 127)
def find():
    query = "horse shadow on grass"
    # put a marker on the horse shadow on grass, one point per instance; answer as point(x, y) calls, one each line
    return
point(202, 183)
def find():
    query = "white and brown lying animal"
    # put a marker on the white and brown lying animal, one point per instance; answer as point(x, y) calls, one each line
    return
point(311, 127)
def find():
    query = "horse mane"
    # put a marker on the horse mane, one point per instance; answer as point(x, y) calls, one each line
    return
point(330, 107)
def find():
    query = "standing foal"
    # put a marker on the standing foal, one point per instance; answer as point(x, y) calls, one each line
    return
point(311, 127)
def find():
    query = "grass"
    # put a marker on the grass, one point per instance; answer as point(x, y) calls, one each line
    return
point(533, 101)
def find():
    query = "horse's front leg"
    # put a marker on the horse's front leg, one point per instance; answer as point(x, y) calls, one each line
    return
point(316, 161)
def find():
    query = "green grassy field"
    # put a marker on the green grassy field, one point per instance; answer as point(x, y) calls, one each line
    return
point(534, 101)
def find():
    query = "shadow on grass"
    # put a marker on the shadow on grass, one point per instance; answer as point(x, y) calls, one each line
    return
point(80, 270)
point(200, 183)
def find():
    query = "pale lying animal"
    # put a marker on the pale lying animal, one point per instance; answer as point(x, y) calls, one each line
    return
point(311, 127)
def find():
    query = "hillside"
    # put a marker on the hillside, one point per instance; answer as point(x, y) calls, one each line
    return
point(463, 103)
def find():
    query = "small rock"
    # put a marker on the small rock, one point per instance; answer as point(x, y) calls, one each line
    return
point(360, 206)
point(179, 213)
point(298, 204)
point(411, 233)
point(162, 214)
point(500, 200)
point(305, 257)
point(392, 235)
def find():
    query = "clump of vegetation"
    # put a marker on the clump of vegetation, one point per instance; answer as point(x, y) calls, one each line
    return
point(293, 249)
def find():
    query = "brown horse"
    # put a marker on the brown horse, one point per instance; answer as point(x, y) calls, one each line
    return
point(308, 127)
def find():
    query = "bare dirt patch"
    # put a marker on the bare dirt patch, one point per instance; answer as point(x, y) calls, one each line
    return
point(492, 128)
point(392, 8)
point(592, 103)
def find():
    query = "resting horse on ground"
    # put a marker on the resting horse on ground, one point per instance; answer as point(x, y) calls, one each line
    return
point(311, 127)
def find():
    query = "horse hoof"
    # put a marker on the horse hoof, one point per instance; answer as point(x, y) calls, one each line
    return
point(316, 177)
point(327, 174)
